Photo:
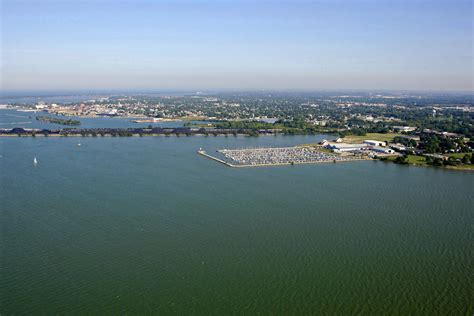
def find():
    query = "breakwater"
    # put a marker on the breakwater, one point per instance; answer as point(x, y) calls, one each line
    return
point(129, 132)
point(202, 152)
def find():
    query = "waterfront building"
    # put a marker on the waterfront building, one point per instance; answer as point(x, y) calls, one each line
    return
point(375, 143)
point(384, 150)
point(398, 147)
point(341, 147)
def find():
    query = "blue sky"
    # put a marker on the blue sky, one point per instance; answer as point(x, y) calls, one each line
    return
point(302, 45)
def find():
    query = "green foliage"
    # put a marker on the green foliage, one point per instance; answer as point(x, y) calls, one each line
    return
point(405, 141)
point(55, 120)
point(434, 161)
point(401, 160)
point(296, 126)
point(467, 158)
point(432, 143)
point(451, 162)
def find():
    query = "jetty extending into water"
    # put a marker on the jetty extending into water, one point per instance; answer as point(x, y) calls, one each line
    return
point(260, 157)
point(202, 152)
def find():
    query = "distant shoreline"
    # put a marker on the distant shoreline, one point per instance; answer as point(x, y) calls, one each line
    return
point(134, 135)
point(139, 131)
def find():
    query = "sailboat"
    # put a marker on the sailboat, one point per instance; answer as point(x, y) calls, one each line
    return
point(35, 161)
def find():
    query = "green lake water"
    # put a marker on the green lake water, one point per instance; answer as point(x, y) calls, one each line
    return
point(148, 226)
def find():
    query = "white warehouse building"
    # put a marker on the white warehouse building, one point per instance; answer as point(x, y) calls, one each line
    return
point(375, 143)
point(384, 150)
point(338, 147)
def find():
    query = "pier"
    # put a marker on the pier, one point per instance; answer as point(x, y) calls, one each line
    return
point(202, 152)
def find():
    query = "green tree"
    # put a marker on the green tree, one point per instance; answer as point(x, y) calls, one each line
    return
point(401, 160)
point(466, 158)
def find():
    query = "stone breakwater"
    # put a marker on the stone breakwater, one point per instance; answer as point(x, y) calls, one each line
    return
point(152, 131)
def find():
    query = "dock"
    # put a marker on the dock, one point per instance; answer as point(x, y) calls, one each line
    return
point(202, 152)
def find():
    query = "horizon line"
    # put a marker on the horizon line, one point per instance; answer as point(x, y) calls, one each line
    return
point(58, 92)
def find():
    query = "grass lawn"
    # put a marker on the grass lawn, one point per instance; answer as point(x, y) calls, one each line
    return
point(372, 136)
point(416, 160)
point(456, 155)
point(412, 159)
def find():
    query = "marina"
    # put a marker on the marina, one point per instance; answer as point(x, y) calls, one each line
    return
point(259, 157)
point(236, 157)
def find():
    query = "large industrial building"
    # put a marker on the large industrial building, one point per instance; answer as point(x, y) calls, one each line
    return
point(341, 147)
point(367, 145)
point(375, 143)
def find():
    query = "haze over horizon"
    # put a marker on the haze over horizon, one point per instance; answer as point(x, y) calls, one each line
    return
point(206, 45)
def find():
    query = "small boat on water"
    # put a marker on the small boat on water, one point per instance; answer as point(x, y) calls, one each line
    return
point(35, 161)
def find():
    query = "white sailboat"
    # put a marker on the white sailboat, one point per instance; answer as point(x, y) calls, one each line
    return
point(35, 161)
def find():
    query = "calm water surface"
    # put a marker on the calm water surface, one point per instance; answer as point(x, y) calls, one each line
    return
point(145, 225)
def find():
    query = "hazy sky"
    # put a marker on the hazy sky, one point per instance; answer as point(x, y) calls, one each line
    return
point(293, 44)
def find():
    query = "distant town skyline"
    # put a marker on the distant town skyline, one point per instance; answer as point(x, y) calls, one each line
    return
point(206, 45)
